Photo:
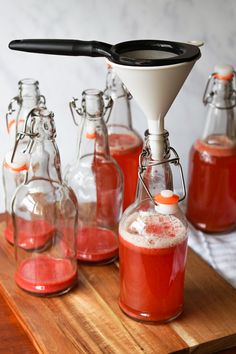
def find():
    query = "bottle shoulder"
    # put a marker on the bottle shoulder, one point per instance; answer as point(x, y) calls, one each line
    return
point(42, 186)
point(88, 170)
point(143, 226)
point(216, 145)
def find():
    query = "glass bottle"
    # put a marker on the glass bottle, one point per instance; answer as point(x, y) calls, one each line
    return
point(153, 239)
point(211, 203)
point(44, 214)
point(14, 173)
point(152, 249)
point(125, 143)
point(98, 184)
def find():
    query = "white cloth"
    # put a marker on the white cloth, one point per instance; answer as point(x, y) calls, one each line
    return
point(218, 250)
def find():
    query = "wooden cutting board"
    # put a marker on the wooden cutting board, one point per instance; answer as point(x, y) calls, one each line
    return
point(88, 319)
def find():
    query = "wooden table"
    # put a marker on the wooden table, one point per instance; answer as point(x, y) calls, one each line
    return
point(88, 319)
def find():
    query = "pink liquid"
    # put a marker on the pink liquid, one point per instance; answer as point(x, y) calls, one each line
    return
point(211, 204)
point(46, 275)
point(96, 244)
point(152, 277)
point(125, 149)
point(31, 234)
point(109, 192)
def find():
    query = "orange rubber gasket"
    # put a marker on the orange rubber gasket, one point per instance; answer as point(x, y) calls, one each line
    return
point(166, 200)
point(91, 135)
point(224, 77)
point(16, 169)
point(13, 121)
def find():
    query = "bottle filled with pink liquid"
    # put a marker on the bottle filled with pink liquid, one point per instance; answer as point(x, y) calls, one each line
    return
point(14, 173)
point(97, 182)
point(153, 241)
point(153, 249)
point(124, 142)
point(211, 203)
point(44, 216)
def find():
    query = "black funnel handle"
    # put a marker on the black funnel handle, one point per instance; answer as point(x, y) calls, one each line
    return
point(71, 47)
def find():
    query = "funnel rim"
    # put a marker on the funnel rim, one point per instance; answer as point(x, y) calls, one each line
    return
point(154, 67)
point(182, 52)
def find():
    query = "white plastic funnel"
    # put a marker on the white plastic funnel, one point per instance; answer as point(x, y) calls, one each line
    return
point(154, 88)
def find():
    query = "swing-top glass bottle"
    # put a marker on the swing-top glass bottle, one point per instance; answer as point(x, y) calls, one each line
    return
point(211, 204)
point(153, 239)
point(14, 173)
point(44, 214)
point(124, 142)
point(98, 184)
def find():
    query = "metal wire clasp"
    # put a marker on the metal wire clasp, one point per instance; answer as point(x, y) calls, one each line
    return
point(209, 93)
point(81, 111)
point(21, 136)
point(11, 110)
point(172, 160)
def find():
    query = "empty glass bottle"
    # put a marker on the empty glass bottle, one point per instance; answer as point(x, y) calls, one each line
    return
point(14, 173)
point(211, 203)
point(98, 184)
point(124, 142)
point(44, 214)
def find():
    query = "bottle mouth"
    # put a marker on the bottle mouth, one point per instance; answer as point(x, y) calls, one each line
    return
point(29, 88)
point(28, 81)
point(92, 92)
point(92, 103)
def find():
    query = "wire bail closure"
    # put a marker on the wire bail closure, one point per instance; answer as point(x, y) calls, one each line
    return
point(209, 93)
point(81, 111)
point(16, 100)
point(174, 160)
point(21, 135)
point(11, 110)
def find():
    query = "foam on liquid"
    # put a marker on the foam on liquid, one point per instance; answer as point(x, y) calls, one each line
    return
point(149, 230)
point(119, 142)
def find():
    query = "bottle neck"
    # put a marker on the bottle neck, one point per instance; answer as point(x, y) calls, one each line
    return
point(93, 139)
point(44, 161)
point(29, 94)
point(155, 174)
point(44, 154)
point(220, 118)
point(157, 145)
point(121, 111)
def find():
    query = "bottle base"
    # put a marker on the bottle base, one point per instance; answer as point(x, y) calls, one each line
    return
point(45, 276)
point(54, 294)
point(150, 317)
point(88, 261)
point(97, 245)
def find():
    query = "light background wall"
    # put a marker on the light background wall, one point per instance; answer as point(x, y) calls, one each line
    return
point(212, 21)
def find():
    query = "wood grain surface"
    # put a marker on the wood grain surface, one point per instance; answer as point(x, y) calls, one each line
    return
point(13, 339)
point(88, 319)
